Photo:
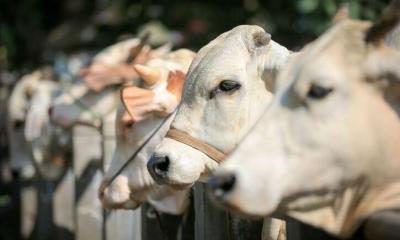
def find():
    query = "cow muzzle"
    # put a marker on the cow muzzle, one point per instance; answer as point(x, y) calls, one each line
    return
point(116, 195)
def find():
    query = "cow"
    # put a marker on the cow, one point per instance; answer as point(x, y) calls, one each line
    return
point(327, 149)
point(49, 144)
point(18, 107)
point(146, 112)
point(227, 90)
point(95, 94)
point(113, 65)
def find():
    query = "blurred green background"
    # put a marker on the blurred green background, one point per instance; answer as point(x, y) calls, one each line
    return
point(32, 31)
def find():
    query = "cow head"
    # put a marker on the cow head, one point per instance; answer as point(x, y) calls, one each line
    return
point(227, 89)
point(19, 106)
point(113, 64)
point(79, 105)
point(329, 139)
point(144, 110)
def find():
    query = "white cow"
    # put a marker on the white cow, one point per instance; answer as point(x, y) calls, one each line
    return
point(145, 110)
point(227, 90)
point(85, 102)
point(19, 104)
point(49, 144)
point(327, 150)
point(113, 65)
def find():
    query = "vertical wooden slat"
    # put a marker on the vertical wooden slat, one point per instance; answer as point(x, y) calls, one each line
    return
point(63, 206)
point(124, 225)
point(167, 226)
point(211, 223)
point(118, 224)
point(28, 210)
point(88, 175)
point(245, 229)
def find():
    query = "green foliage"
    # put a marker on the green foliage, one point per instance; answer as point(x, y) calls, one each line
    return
point(25, 27)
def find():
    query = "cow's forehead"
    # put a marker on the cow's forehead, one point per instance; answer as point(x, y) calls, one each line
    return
point(223, 55)
point(345, 38)
point(342, 43)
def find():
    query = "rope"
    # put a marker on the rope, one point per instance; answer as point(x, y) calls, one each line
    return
point(133, 156)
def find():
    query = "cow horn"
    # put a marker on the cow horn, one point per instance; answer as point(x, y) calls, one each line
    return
point(149, 75)
point(341, 14)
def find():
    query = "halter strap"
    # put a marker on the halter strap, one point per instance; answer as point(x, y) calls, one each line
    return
point(183, 137)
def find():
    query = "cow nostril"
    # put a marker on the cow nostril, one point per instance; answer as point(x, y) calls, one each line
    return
point(162, 165)
point(158, 167)
point(50, 111)
point(222, 184)
point(229, 182)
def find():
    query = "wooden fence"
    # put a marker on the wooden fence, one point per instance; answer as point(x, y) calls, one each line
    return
point(69, 208)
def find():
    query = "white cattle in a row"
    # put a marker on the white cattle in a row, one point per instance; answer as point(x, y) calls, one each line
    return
point(85, 102)
point(87, 107)
point(227, 89)
point(327, 150)
point(144, 112)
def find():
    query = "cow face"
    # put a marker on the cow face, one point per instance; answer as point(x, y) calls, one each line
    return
point(225, 92)
point(79, 105)
point(143, 112)
point(113, 64)
point(333, 125)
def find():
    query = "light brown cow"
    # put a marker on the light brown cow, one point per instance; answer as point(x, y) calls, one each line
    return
point(327, 150)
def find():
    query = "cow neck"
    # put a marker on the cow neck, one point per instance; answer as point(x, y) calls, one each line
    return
point(354, 205)
point(185, 138)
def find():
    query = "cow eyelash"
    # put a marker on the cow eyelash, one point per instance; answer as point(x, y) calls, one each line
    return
point(318, 92)
point(226, 86)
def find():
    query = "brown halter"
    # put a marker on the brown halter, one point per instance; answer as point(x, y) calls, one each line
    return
point(212, 152)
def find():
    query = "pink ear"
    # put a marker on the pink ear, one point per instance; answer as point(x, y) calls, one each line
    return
point(134, 100)
point(176, 80)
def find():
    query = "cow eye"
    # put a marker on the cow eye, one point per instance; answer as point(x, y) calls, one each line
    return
point(228, 85)
point(318, 92)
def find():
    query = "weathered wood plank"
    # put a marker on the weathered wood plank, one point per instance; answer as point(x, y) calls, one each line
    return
point(63, 207)
point(87, 165)
point(28, 210)
point(167, 226)
point(124, 225)
point(211, 223)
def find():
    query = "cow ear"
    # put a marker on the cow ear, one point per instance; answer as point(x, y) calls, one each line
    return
point(132, 98)
point(257, 40)
point(389, 20)
point(176, 79)
point(343, 13)
point(382, 70)
point(381, 66)
point(261, 38)
point(160, 51)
